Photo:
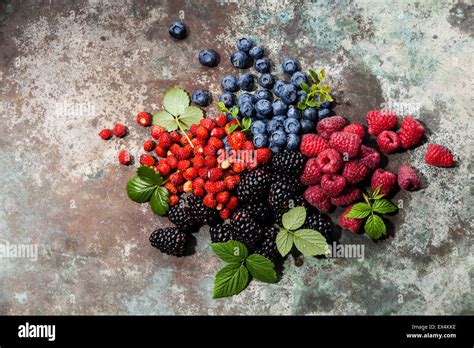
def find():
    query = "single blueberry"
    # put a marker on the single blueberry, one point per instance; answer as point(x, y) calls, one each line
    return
point(246, 82)
point(208, 57)
point(323, 113)
point(257, 52)
point(240, 60)
point(229, 83)
point(258, 127)
point(292, 141)
point(326, 104)
point(310, 114)
point(290, 66)
point(177, 30)
point(292, 125)
point(263, 94)
point(275, 148)
point(244, 97)
point(288, 94)
point(260, 140)
point(293, 112)
point(266, 80)
point(247, 109)
point(263, 65)
point(307, 126)
point(264, 107)
point(278, 137)
point(301, 96)
point(260, 117)
point(201, 97)
point(278, 87)
point(298, 78)
point(274, 125)
point(244, 44)
point(228, 99)
point(279, 108)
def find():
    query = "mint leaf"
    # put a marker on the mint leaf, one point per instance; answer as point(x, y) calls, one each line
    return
point(261, 268)
point(149, 173)
point(230, 280)
point(375, 227)
point(222, 107)
point(314, 75)
point(159, 201)
point(234, 112)
point(166, 120)
point(310, 242)
point(232, 128)
point(246, 122)
point(383, 206)
point(304, 86)
point(294, 218)
point(231, 251)
point(191, 115)
point(359, 211)
point(328, 98)
point(175, 101)
point(301, 105)
point(284, 242)
point(140, 189)
point(313, 103)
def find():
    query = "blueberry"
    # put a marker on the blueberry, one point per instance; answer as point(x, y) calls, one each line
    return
point(326, 104)
point(230, 117)
point(229, 84)
point(201, 97)
point(288, 94)
point(261, 117)
point(264, 107)
point(177, 30)
point(228, 99)
point(274, 125)
point(257, 52)
point(278, 87)
point(290, 66)
point(307, 126)
point(310, 114)
point(244, 97)
point(298, 78)
point(301, 96)
point(240, 60)
point(278, 137)
point(292, 141)
point(247, 109)
point(258, 127)
point(263, 94)
point(292, 125)
point(246, 82)
point(263, 65)
point(293, 112)
point(279, 108)
point(266, 80)
point(244, 44)
point(275, 148)
point(260, 140)
point(323, 113)
point(208, 57)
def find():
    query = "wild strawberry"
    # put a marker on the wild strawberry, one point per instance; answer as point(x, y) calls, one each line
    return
point(218, 133)
point(155, 168)
point(388, 141)
point(312, 145)
point(184, 140)
point(190, 173)
point(215, 174)
point(355, 128)
point(164, 168)
point(203, 173)
point(228, 126)
point(149, 145)
point(384, 179)
point(179, 188)
point(144, 119)
point(164, 140)
point(231, 182)
point(410, 133)
point(173, 200)
point(263, 155)
point(171, 187)
point(223, 197)
point(209, 201)
point(380, 120)
point(184, 152)
point(202, 133)
point(232, 203)
point(156, 131)
point(248, 146)
point(124, 157)
point(224, 213)
point(439, 156)
point(238, 166)
point(176, 178)
point(210, 161)
point(346, 143)
point(174, 148)
point(188, 186)
point(199, 182)
point(214, 186)
point(160, 151)
point(350, 224)
point(175, 137)
point(172, 162)
point(198, 162)
point(183, 165)
point(209, 150)
point(120, 130)
point(330, 125)
point(216, 143)
point(207, 123)
point(147, 160)
point(105, 134)
point(198, 191)
point(236, 139)
point(198, 150)
point(221, 120)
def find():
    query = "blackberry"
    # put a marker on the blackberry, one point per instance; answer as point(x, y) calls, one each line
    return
point(169, 240)
point(282, 191)
point(201, 214)
point(320, 223)
point(293, 202)
point(221, 233)
point(259, 211)
point(246, 230)
point(180, 216)
point(253, 186)
point(288, 162)
point(268, 247)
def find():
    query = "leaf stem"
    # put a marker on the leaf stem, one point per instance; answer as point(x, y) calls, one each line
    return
point(182, 130)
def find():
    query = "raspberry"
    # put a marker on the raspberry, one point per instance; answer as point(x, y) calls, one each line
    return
point(346, 143)
point(155, 131)
point(232, 203)
point(380, 120)
point(124, 157)
point(355, 128)
point(164, 140)
point(354, 171)
point(198, 162)
point(173, 200)
point(183, 165)
point(263, 155)
point(316, 196)
point(209, 201)
point(408, 178)
point(160, 151)
point(352, 225)
point(209, 150)
point(312, 173)
point(171, 187)
point(147, 160)
point(223, 197)
point(198, 191)
point(175, 137)
point(120, 130)
point(149, 145)
point(228, 126)
point(172, 161)
point(215, 174)
point(236, 139)
point(369, 157)
point(215, 142)
point(214, 186)
point(164, 168)
point(329, 161)
point(210, 161)
point(388, 141)
point(439, 156)
point(176, 178)
point(312, 145)
point(330, 125)
point(184, 153)
point(383, 178)
point(202, 133)
point(218, 133)
point(230, 182)
point(333, 184)
point(410, 132)
point(348, 196)
point(144, 119)
point(207, 123)
point(105, 134)
point(203, 173)
point(221, 120)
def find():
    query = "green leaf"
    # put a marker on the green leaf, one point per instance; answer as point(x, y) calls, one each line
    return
point(310, 242)
point(149, 172)
point(140, 189)
point(328, 98)
point(314, 75)
point(191, 115)
point(159, 201)
point(284, 242)
point(233, 127)
point(325, 89)
point(261, 268)
point(312, 103)
point(376, 191)
point(231, 251)
point(294, 218)
point(222, 107)
point(314, 87)
point(175, 101)
point(301, 105)
point(322, 74)
point(304, 86)
point(375, 227)
point(359, 211)
point(383, 206)
point(166, 120)
point(230, 280)
point(246, 122)
point(234, 112)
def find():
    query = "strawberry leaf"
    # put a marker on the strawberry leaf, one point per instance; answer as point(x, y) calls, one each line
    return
point(159, 201)
point(166, 120)
point(140, 189)
point(175, 101)
point(149, 172)
point(191, 115)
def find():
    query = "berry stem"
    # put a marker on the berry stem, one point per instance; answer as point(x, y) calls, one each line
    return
point(182, 130)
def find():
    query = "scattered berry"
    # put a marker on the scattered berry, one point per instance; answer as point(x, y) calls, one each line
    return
point(208, 57)
point(169, 240)
point(105, 134)
point(439, 156)
point(380, 120)
point(177, 30)
point(201, 97)
point(120, 130)
point(149, 145)
point(144, 119)
point(124, 157)
point(352, 225)
point(410, 133)
point(408, 178)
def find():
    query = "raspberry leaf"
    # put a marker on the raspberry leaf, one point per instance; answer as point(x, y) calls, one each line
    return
point(191, 115)
point(175, 101)
point(166, 120)
point(231, 251)
point(294, 218)
point(284, 241)
point(140, 189)
point(383, 206)
point(310, 242)
point(261, 268)
point(359, 211)
point(148, 172)
point(375, 227)
point(159, 201)
point(230, 280)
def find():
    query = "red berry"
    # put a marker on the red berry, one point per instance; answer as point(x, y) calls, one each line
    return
point(218, 133)
point(198, 191)
point(188, 186)
point(209, 201)
point(230, 125)
point(164, 168)
point(207, 123)
point(231, 182)
point(410, 133)
point(176, 178)
point(190, 173)
point(408, 178)
point(439, 156)
point(105, 134)
point(149, 145)
point(348, 196)
point(236, 139)
point(183, 165)
point(147, 160)
point(171, 187)
point(312, 173)
point(202, 133)
point(198, 162)
point(215, 142)
point(199, 182)
point(210, 161)
point(215, 174)
point(223, 197)
point(352, 225)
point(329, 161)
point(160, 151)
point(232, 203)
point(346, 143)
point(120, 130)
point(144, 119)
point(355, 128)
point(388, 141)
point(155, 131)
point(209, 150)
point(369, 157)
point(238, 166)
point(312, 145)
point(203, 173)
point(221, 120)
point(214, 186)
point(263, 155)
point(172, 161)
point(330, 125)
point(175, 137)
point(164, 140)
point(224, 213)
point(184, 152)
point(354, 171)
point(384, 179)
point(333, 184)
point(184, 140)
point(318, 198)
point(248, 146)
point(173, 200)
point(124, 157)
point(380, 120)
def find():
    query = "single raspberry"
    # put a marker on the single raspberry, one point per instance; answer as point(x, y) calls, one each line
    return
point(236, 139)
point(188, 185)
point(208, 123)
point(209, 150)
point(380, 120)
point(354, 171)
point(333, 184)
point(346, 143)
point(173, 200)
point(120, 130)
point(198, 191)
point(439, 156)
point(144, 119)
point(329, 161)
point(160, 151)
point(348, 196)
point(215, 174)
point(225, 213)
point(352, 225)
point(231, 182)
point(410, 133)
point(184, 153)
point(175, 137)
point(408, 178)
point(316, 196)
point(183, 165)
point(193, 128)
point(384, 179)
point(176, 178)
point(171, 187)
point(228, 126)
point(199, 182)
point(388, 141)
point(312, 145)
point(147, 160)
point(218, 133)
point(210, 161)
point(214, 186)
point(238, 166)
point(164, 140)
point(232, 203)
point(221, 120)
point(155, 131)
point(172, 162)
point(215, 142)
point(223, 197)
point(124, 157)
point(312, 173)
point(105, 134)
point(263, 155)
point(203, 173)
point(369, 157)
point(330, 125)
point(355, 128)
point(198, 162)
point(209, 201)
point(202, 133)
point(248, 146)
point(149, 145)
point(164, 168)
